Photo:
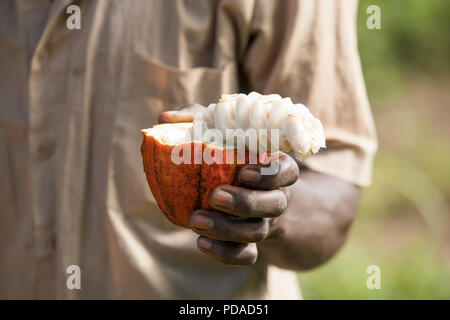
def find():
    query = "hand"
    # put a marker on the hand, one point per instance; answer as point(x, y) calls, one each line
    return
point(308, 233)
point(244, 215)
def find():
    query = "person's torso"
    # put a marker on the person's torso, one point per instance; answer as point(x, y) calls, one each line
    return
point(73, 188)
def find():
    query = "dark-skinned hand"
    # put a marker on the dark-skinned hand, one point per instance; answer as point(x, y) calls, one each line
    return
point(242, 216)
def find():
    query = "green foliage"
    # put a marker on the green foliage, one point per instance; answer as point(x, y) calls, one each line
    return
point(415, 272)
point(414, 39)
point(400, 228)
point(403, 221)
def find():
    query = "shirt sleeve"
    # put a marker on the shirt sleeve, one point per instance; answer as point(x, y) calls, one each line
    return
point(307, 50)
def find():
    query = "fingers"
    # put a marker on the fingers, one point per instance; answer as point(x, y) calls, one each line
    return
point(184, 114)
point(232, 253)
point(230, 234)
point(253, 176)
point(225, 227)
point(248, 203)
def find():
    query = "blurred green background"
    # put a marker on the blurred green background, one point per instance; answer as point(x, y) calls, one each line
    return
point(403, 224)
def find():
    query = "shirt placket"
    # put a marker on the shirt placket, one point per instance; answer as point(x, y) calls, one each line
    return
point(42, 139)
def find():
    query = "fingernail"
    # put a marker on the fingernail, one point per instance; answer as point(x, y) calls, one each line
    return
point(249, 175)
point(204, 243)
point(200, 221)
point(222, 198)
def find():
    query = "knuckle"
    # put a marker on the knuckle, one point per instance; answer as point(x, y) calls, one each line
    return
point(240, 255)
point(283, 201)
point(246, 258)
point(261, 231)
point(252, 255)
point(289, 172)
point(250, 260)
point(293, 171)
point(281, 205)
point(265, 227)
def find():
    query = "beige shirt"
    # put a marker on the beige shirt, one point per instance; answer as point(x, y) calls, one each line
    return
point(72, 103)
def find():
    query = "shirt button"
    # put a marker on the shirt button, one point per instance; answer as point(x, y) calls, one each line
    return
point(78, 71)
point(45, 247)
point(45, 150)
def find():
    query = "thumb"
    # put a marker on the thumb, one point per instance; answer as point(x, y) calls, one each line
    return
point(184, 114)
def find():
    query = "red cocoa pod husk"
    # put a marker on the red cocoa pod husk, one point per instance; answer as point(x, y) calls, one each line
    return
point(180, 189)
